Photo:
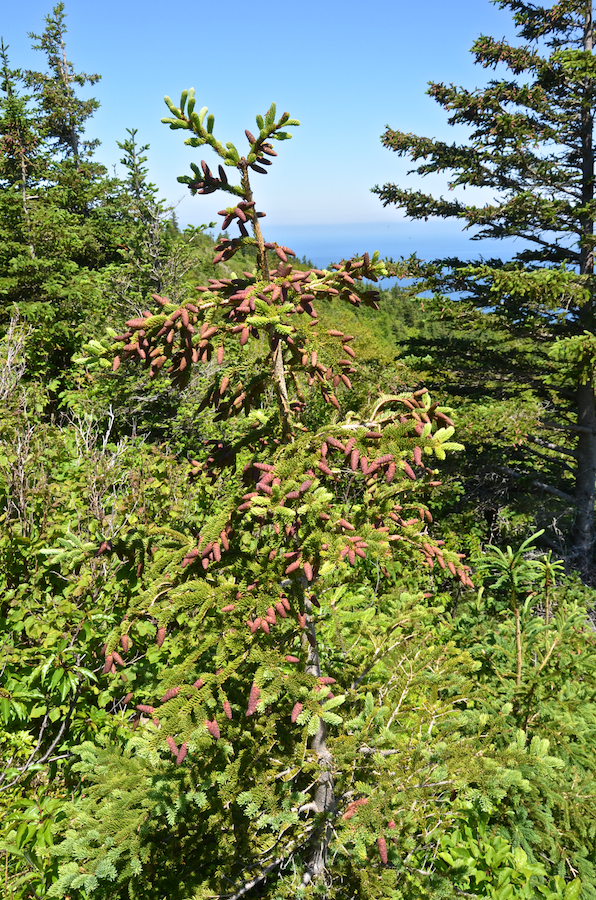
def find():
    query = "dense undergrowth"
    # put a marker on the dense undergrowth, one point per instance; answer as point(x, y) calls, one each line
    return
point(275, 617)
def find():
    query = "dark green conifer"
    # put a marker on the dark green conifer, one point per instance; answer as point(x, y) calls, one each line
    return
point(532, 144)
point(62, 113)
point(19, 162)
point(60, 210)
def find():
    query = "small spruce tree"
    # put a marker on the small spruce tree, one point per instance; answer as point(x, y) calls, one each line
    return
point(289, 694)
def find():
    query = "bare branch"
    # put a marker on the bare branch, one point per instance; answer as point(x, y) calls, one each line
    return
point(556, 426)
point(539, 485)
point(255, 881)
point(550, 459)
point(12, 357)
point(555, 447)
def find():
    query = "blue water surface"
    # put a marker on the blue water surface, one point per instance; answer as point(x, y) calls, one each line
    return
point(324, 244)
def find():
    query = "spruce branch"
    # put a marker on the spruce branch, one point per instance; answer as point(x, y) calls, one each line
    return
point(549, 446)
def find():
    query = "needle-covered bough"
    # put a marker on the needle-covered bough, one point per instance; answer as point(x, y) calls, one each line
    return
point(294, 717)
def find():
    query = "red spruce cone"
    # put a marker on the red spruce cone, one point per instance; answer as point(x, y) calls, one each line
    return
point(213, 729)
point(253, 700)
point(170, 694)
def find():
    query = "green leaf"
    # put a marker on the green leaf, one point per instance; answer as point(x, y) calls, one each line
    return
point(573, 889)
point(191, 101)
point(5, 707)
point(334, 702)
point(331, 718)
point(313, 726)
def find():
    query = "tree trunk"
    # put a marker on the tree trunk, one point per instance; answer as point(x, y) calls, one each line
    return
point(585, 479)
point(583, 531)
point(73, 138)
point(324, 794)
point(24, 199)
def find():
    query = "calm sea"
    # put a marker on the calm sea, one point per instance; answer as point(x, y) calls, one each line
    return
point(324, 244)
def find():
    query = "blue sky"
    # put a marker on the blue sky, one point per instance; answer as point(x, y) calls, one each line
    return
point(344, 69)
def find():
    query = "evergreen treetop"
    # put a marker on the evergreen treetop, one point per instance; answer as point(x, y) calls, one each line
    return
point(532, 143)
point(63, 113)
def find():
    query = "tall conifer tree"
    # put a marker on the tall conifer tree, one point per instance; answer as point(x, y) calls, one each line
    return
point(63, 216)
point(64, 114)
point(532, 142)
point(19, 146)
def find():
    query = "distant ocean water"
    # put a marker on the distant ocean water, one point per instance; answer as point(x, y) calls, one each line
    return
point(324, 244)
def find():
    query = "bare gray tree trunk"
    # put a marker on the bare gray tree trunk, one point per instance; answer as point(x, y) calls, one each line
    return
point(324, 795)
